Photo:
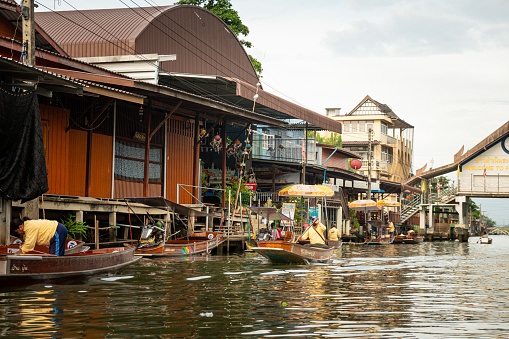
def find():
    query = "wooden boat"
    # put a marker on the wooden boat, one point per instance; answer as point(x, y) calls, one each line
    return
point(398, 239)
point(385, 239)
point(412, 239)
point(35, 266)
point(197, 243)
point(330, 243)
point(285, 252)
point(485, 240)
point(71, 246)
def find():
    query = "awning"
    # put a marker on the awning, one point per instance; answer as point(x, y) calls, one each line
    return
point(165, 204)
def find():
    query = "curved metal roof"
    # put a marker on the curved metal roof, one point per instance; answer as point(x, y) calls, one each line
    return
point(203, 43)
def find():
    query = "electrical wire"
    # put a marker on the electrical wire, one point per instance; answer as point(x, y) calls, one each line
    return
point(199, 90)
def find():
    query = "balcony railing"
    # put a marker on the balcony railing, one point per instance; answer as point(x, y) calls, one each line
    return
point(283, 149)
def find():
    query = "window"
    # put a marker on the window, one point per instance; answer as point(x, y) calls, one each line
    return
point(384, 128)
point(130, 162)
point(386, 155)
point(268, 141)
point(361, 126)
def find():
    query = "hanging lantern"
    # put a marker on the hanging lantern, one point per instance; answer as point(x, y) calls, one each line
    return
point(355, 164)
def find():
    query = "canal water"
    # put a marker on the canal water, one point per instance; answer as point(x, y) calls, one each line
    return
point(429, 290)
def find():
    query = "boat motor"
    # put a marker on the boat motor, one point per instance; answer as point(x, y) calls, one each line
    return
point(151, 235)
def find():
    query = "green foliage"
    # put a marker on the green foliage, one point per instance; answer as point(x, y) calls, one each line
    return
point(74, 229)
point(355, 224)
point(334, 139)
point(231, 191)
point(444, 183)
point(224, 10)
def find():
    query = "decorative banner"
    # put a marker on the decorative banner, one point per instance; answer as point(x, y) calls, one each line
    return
point(288, 209)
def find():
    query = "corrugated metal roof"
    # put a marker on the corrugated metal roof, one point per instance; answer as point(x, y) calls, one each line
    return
point(89, 26)
point(203, 43)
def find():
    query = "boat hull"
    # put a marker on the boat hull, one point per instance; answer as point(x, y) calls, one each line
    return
point(47, 267)
point(198, 243)
point(289, 253)
point(413, 240)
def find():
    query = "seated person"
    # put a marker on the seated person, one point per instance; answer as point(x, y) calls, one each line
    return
point(315, 234)
point(333, 233)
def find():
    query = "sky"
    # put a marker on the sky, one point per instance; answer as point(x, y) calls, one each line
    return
point(442, 66)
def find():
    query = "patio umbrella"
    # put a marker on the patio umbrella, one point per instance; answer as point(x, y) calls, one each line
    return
point(306, 191)
point(388, 203)
point(363, 205)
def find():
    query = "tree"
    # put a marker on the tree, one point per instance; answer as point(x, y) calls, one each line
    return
point(224, 10)
point(334, 139)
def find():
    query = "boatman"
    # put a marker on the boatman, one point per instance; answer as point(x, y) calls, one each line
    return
point(333, 233)
point(391, 228)
point(42, 233)
point(315, 234)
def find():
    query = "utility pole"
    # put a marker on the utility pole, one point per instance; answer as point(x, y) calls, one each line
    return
point(368, 195)
point(27, 13)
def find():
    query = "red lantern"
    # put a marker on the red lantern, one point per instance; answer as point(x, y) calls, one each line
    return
point(355, 164)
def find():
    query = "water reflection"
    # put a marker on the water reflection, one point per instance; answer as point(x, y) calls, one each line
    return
point(445, 289)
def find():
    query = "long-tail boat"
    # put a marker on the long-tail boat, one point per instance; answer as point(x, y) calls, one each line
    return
point(36, 266)
point(285, 252)
point(196, 243)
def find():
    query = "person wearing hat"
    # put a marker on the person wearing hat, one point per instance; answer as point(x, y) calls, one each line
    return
point(42, 233)
point(314, 233)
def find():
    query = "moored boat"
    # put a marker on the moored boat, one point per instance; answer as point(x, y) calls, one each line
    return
point(71, 246)
point(485, 239)
point(35, 266)
point(196, 243)
point(385, 239)
point(285, 252)
point(412, 239)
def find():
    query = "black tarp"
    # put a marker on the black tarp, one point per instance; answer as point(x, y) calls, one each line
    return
point(23, 173)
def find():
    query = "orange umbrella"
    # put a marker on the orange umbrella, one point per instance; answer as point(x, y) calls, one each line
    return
point(306, 191)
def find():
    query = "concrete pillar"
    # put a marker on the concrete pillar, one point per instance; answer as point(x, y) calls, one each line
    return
point(347, 227)
point(431, 220)
point(112, 221)
point(339, 222)
point(422, 219)
point(5, 221)
point(31, 209)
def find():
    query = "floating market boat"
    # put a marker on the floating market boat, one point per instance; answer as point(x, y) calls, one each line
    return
point(197, 243)
point(71, 246)
point(36, 266)
point(412, 239)
point(485, 239)
point(384, 239)
point(285, 252)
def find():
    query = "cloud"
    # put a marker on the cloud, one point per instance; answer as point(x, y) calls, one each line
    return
point(424, 28)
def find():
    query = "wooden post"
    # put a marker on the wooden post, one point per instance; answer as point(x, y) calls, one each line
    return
point(90, 135)
point(196, 159)
point(96, 232)
point(28, 21)
point(112, 221)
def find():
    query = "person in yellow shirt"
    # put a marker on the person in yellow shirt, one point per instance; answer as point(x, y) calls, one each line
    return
point(333, 233)
point(391, 228)
point(314, 233)
point(42, 233)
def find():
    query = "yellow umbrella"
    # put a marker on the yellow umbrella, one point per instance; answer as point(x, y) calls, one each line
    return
point(306, 191)
point(388, 204)
point(363, 205)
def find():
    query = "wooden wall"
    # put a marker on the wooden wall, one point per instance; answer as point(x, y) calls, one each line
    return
point(179, 162)
point(57, 145)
